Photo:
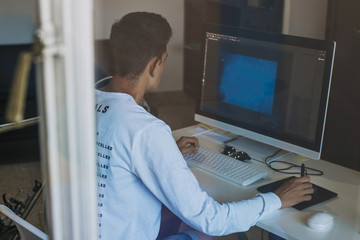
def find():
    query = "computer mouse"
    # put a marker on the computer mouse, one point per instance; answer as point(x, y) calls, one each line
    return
point(242, 156)
point(320, 221)
point(228, 150)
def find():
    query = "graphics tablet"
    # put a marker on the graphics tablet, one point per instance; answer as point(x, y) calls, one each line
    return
point(320, 194)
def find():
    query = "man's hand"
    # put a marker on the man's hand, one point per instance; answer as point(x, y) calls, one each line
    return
point(295, 191)
point(188, 144)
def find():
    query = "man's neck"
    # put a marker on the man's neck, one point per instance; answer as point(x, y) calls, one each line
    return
point(136, 87)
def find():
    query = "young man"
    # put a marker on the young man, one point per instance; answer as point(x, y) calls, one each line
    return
point(140, 166)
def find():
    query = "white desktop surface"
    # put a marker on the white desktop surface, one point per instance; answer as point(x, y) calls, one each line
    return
point(290, 223)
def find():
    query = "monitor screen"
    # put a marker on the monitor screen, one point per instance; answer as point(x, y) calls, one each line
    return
point(268, 87)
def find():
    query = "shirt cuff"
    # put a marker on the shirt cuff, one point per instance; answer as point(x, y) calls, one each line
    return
point(271, 202)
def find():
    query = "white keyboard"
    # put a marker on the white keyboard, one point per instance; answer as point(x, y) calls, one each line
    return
point(225, 167)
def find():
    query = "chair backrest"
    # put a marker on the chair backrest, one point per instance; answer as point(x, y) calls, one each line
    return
point(26, 230)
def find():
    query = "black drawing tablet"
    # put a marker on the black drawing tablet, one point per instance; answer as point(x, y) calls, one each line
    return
point(320, 194)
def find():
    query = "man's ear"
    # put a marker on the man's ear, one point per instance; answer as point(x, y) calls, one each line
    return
point(154, 63)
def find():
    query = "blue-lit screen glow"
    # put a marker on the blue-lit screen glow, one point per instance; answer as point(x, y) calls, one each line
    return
point(247, 82)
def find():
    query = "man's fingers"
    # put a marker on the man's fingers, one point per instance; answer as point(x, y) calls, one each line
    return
point(303, 179)
point(187, 144)
point(307, 198)
point(307, 185)
point(309, 191)
point(188, 148)
point(188, 140)
point(295, 191)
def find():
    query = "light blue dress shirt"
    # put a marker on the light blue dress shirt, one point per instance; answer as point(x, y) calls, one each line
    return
point(140, 167)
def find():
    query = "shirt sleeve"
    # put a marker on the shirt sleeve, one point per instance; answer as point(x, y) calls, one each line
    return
point(157, 161)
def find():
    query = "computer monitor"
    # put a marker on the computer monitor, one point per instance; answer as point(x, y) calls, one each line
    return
point(268, 87)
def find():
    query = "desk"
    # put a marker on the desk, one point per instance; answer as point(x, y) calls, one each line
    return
point(290, 223)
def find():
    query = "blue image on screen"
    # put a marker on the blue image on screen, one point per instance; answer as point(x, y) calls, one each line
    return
point(248, 82)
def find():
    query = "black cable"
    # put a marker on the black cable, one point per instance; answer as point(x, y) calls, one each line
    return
point(315, 172)
point(229, 150)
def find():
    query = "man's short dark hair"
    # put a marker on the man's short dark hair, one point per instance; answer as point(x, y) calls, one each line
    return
point(135, 40)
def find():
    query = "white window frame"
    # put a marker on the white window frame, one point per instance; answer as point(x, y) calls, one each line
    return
point(67, 123)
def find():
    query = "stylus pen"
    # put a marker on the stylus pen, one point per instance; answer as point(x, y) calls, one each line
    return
point(303, 172)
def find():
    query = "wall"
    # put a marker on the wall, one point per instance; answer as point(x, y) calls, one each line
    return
point(17, 21)
point(108, 11)
point(17, 24)
point(305, 18)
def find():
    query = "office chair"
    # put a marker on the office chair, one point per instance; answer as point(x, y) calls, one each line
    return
point(26, 230)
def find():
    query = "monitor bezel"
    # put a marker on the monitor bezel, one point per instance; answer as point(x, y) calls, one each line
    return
point(279, 140)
